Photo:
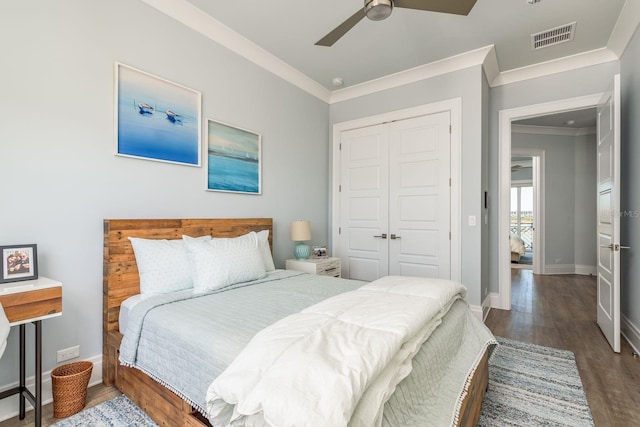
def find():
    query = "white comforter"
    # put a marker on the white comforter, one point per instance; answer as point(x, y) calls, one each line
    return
point(335, 363)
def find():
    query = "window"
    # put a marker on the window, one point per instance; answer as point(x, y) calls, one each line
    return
point(522, 213)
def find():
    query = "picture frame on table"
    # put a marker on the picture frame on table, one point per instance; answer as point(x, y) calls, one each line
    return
point(19, 262)
point(319, 252)
point(156, 119)
point(233, 159)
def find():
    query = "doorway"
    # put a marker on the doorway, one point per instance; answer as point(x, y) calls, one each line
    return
point(507, 119)
point(524, 215)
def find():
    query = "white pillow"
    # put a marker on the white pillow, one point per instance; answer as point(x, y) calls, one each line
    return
point(265, 250)
point(163, 265)
point(220, 262)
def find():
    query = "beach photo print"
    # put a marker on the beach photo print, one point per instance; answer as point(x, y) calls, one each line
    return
point(156, 119)
point(233, 159)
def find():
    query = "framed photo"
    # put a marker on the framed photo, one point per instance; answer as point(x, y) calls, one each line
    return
point(19, 262)
point(156, 119)
point(233, 159)
point(319, 252)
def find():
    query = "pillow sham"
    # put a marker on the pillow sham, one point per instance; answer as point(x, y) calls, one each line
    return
point(163, 265)
point(265, 250)
point(221, 262)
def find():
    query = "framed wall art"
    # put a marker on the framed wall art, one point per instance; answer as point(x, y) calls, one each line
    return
point(156, 119)
point(233, 159)
point(19, 262)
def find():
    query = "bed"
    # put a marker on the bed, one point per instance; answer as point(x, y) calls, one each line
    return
point(517, 247)
point(169, 404)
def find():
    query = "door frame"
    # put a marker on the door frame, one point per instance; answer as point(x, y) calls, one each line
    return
point(454, 106)
point(503, 299)
point(538, 163)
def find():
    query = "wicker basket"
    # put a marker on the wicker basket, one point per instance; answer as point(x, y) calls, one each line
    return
point(69, 383)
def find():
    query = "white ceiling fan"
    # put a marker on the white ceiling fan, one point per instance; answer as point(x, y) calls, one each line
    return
point(377, 10)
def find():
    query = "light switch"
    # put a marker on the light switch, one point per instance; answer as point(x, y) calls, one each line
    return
point(472, 220)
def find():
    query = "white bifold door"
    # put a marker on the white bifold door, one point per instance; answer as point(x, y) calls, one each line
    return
point(395, 199)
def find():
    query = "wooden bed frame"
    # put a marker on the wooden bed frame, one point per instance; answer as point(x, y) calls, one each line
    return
point(121, 280)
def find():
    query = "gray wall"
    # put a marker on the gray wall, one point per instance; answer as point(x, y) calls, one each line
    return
point(569, 194)
point(569, 84)
point(558, 193)
point(630, 174)
point(61, 178)
point(484, 219)
point(586, 209)
point(467, 84)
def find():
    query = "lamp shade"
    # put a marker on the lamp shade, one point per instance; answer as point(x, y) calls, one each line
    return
point(300, 231)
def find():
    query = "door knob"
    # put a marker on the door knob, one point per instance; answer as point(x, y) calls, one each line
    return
point(394, 237)
point(383, 236)
point(615, 247)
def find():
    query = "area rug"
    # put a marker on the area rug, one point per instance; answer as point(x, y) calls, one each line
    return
point(529, 385)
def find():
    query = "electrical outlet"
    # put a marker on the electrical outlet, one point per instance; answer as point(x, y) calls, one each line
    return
point(68, 353)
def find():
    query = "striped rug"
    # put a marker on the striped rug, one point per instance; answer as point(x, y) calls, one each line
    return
point(529, 385)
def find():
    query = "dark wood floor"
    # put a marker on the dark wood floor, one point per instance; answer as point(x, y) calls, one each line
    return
point(560, 311)
point(555, 311)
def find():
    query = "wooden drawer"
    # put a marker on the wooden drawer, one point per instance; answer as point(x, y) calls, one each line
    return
point(329, 268)
point(32, 304)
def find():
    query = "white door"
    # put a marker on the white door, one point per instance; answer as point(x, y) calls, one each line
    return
point(364, 200)
point(419, 197)
point(608, 175)
point(395, 199)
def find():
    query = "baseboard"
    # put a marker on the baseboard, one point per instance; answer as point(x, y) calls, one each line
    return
point(559, 269)
point(476, 310)
point(9, 406)
point(586, 270)
point(630, 332)
point(496, 302)
point(486, 307)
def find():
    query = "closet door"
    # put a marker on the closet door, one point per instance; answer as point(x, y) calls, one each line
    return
point(364, 201)
point(420, 196)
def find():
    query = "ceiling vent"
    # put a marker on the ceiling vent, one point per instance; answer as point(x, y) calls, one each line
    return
point(561, 34)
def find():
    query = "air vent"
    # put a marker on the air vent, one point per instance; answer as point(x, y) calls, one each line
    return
point(554, 36)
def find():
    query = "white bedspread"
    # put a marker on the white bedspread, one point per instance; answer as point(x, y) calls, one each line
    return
point(335, 363)
point(517, 244)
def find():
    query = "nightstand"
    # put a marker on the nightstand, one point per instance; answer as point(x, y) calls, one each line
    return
point(319, 266)
point(30, 301)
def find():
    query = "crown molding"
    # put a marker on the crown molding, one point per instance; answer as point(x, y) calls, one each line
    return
point(541, 69)
point(422, 72)
point(552, 130)
point(490, 65)
point(189, 15)
point(625, 27)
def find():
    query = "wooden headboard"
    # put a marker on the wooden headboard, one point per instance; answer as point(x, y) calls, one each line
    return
point(120, 278)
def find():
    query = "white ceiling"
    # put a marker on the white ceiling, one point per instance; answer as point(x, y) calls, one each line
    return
point(578, 119)
point(409, 38)
point(279, 35)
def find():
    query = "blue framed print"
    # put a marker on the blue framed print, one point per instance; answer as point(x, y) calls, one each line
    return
point(156, 119)
point(233, 159)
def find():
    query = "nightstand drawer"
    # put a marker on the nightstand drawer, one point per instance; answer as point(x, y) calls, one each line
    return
point(32, 304)
point(330, 268)
point(319, 266)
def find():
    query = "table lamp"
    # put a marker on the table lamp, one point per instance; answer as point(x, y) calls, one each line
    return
point(301, 232)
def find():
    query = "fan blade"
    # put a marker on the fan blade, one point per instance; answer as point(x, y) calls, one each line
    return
point(458, 7)
point(341, 29)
